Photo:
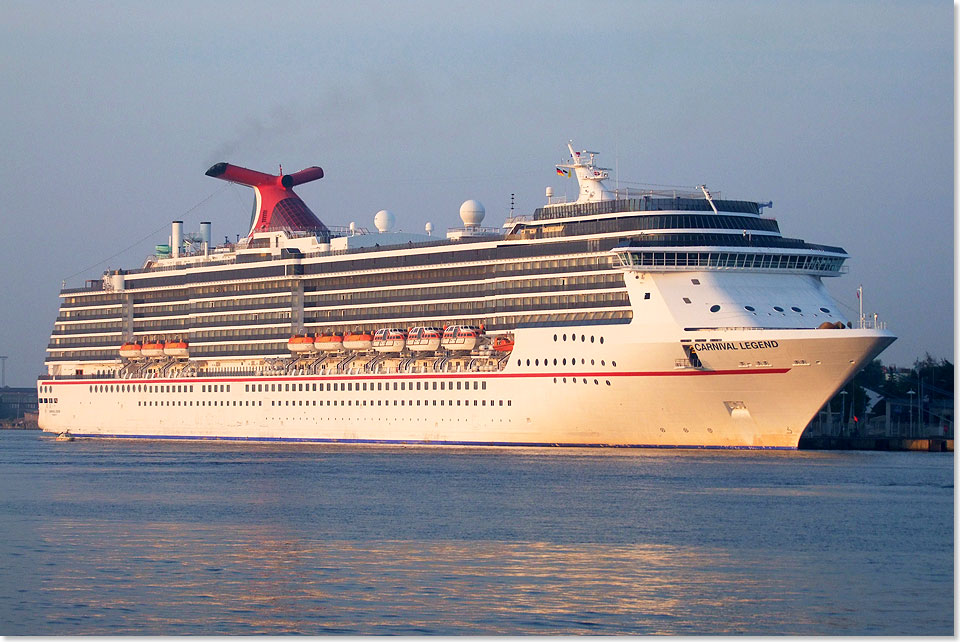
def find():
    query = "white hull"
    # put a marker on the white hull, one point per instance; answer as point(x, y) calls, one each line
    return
point(644, 400)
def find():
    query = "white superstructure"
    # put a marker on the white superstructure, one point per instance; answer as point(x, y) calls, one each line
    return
point(627, 318)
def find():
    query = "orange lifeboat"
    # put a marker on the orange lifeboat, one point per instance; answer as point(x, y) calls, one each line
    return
point(458, 338)
point(300, 344)
point(503, 343)
point(424, 339)
point(154, 349)
point(358, 341)
point(176, 349)
point(131, 351)
point(389, 340)
point(329, 342)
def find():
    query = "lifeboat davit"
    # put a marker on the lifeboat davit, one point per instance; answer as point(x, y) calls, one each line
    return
point(460, 337)
point(389, 340)
point(176, 349)
point(131, 351)
point(329, 342)
point(300, 344)
point(424, 339)
point(358, 341)
point(154, 349)
point(503, 343)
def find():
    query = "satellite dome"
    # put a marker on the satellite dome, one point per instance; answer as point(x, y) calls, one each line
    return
point(428, 227)
point(384, 220)
point(472, 213)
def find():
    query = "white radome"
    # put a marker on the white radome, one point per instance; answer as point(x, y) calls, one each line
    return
point(384, 220)
point(472, 213)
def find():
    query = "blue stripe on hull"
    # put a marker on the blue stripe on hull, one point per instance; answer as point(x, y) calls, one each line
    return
point(422, 442)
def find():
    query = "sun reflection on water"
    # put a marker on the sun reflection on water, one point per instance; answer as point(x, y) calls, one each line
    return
point(252, 579)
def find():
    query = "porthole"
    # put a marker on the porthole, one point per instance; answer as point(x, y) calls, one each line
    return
point(554, 337)
point(714, 308)
point(583, 338)
point(749, 308)
point(825, 310)
point(613, 363)
point(796, 309)
point(536, 362)
point(602, 362)
point(564, 362)
point(528, 362)
point(564, 337)
point(601, 339)
point(778, 308)
point(573, 337)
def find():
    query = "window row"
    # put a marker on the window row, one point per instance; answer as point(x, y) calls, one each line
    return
point(362, 386)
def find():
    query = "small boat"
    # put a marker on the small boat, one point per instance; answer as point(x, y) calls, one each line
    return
point(131, 351)
point(154, 349)
point(64, 436)
point(424, 339)
point(458, 338)
point(358, 341)
point(329, 342)
point(176, 349)
point(503, 343)
point(389, 340)
point(300, 344)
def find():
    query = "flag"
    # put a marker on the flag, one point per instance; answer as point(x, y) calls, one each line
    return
point(563, 172)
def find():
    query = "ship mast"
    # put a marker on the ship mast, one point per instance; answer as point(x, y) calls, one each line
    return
point(589, 176)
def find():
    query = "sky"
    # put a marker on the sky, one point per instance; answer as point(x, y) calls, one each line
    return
point(840, 112)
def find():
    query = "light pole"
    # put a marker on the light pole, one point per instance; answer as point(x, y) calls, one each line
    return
point(911, 393)
point(843, 411)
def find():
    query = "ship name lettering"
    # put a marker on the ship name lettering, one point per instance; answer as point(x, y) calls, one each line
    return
point(741, 345)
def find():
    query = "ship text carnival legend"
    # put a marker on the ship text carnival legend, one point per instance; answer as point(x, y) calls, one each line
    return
point(626, 318)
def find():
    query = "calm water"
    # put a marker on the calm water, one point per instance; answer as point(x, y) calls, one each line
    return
point(120, 538)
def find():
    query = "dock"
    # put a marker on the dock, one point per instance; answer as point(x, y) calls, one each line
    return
point(828, 442)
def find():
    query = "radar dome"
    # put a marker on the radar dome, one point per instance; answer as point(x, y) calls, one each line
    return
point(384, 221)
point(428, 227)
point(472, 213)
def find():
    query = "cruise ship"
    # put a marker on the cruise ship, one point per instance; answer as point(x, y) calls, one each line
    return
point(628, 317)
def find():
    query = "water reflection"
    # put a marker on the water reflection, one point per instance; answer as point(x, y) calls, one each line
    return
point(160, 578)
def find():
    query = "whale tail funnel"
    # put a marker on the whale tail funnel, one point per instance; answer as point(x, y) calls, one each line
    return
point(275, 205)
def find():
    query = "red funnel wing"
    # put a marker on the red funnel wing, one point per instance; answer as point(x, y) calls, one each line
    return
point(279, 207)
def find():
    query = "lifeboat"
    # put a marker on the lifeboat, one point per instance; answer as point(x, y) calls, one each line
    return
point(329, 342)
point(299, 344)
point(175, 349)
point(131, 351)
point(358, 341)
point(389, 340)
point(154, 349)
point(460, 337)
point(503, 343)
point(424, 339)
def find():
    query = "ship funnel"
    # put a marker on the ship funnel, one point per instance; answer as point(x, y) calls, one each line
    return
point(176, 238)
point(205, 230)
point(276, 206)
